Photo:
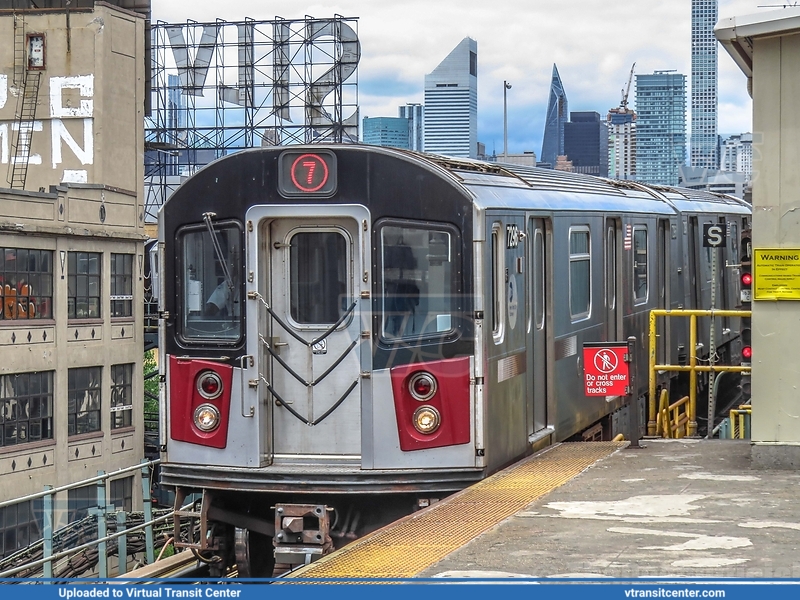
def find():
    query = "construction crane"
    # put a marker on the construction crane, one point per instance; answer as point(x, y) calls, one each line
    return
point(624, 104)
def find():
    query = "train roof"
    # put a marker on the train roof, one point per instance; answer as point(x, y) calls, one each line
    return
point(249, 173)
point(560, 189)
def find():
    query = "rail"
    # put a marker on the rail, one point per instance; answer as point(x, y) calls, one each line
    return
point(672, 420)
point(737, 425)
point(693, 368)
point(104, 513)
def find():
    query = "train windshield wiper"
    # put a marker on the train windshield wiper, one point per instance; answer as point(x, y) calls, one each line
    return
point(218, 249)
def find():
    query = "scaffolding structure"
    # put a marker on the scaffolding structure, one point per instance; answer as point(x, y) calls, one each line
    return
point(218, 88)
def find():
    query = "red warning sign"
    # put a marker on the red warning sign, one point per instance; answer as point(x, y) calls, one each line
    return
point(605, 372)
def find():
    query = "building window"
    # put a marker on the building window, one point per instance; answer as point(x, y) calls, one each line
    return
point(26, 284)
point(20, 526)
point(80, 501)
point(122, 494)
point(121, 396)
point(83, 285)
point(26, 408)
point(122, 285)
point(580, 281)
point(83, 400)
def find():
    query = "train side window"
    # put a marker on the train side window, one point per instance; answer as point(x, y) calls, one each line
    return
point(498, 268)
point(734, 237)
point(418, 271)
point(538, 278)
point(640, 265)
point(580, 281)
point(210, 304)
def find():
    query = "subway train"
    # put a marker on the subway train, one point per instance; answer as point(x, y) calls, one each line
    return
point(349, 332)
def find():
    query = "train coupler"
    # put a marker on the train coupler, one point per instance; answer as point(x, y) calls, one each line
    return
point(302, 533)
point(190, 526)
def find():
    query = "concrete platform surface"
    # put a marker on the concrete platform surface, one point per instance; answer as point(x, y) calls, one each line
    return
point(677, 508)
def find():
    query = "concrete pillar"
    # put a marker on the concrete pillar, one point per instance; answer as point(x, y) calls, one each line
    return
point(766, 46)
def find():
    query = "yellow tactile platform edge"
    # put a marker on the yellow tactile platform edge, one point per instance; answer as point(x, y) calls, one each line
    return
point(404, 549)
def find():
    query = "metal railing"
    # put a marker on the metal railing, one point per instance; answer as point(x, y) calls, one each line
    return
point(672, 420)
point(737, 425)
point(105, 512)
point(693, 368)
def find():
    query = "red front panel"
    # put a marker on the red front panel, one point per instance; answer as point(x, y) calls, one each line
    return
point(184, 398)
point(451, 400)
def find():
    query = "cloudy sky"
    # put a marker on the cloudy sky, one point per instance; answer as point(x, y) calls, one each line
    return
point(593, 42)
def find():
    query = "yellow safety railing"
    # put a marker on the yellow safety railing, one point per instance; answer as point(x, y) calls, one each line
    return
point(693, 368)
point(737, 416)
point(672, 419)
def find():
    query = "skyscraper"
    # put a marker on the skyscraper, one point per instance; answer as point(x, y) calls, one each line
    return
point(704, 85)
point(737, 154)
point(557, 112)
point(415, 113)
point(586, 143)
point(451, 103)
point(621, 143)
point(660, 127)
point(391, 132)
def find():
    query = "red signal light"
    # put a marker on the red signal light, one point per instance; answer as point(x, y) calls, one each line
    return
point(209, 385)
point(747, 352)
point(747, 279)
point(422, 386)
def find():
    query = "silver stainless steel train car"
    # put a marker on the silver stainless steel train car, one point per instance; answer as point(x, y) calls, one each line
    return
point(347, 330)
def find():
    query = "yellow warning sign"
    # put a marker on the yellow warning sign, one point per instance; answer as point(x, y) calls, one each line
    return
point(776, 274)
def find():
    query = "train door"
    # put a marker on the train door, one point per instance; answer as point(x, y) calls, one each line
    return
point(312, 331)
point(537, 326)
point(612, 256)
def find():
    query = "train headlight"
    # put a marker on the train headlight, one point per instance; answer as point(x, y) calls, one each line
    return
point(427, 419)
point(209, 384)
point(206, 417)
point(422, 386)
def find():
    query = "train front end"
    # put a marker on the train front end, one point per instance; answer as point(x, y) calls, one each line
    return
point(318, 373)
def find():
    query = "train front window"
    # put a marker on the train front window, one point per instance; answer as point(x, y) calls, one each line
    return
point(318, 277)
point(211, 305)
point(417, 281)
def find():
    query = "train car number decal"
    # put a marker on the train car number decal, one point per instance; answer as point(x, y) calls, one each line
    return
point(605, 372)
point(513, 236)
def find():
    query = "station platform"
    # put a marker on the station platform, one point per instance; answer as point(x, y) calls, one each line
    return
point(672, 508)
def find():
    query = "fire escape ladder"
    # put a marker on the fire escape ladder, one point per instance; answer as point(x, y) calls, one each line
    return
point(19, 50)
point(21, 149)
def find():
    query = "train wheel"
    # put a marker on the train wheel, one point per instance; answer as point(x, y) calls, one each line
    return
point(255, 554)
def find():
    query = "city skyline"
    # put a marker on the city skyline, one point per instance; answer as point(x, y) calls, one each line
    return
point(519, 44)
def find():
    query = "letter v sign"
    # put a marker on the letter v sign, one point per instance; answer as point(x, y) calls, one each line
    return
point(193, 75)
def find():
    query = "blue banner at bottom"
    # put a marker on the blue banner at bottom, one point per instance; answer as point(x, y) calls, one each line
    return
point(399, 589)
